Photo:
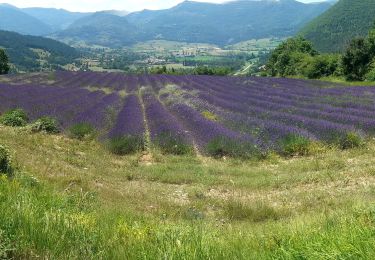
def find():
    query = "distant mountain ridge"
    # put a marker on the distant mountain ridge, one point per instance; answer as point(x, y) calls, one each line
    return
point(347, 19)
point(36, 21)
point(13, 19)
point(102, 29)
point(57, 19)
point(190, 21)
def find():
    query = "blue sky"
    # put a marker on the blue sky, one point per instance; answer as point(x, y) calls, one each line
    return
point(95, 5)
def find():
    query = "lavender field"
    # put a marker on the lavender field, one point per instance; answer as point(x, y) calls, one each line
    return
point(249, 115)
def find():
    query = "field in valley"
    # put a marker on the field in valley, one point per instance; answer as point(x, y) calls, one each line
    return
point(218, 116)
point(229, 168)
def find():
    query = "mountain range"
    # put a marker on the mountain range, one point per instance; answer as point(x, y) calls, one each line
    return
point(189, 21)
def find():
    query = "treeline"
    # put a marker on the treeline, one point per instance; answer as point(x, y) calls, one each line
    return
point(200, 70)
point(297, 57)
point(235, 61)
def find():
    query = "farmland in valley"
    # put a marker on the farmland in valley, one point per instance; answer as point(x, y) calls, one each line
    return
point(211, 115)
point(75, 199)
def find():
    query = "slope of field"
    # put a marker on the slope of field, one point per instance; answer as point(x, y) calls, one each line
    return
point(248, 116)
point(75, 200)
point(347, 19)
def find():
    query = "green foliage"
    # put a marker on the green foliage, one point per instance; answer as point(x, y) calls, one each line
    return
point(169, 143)
point(5, 161)
point(370, 76)
point(237, 210)
point(46, 124)
point(323, 65)
point(126, 145)
point(4, 66)
point(14, 118)
point(350, 140)
point(288, 58)
point(293, 145)
point(297, 57)
point(221, 146)
point(209, 115)
point(200, 70)
point(81, 130)
point(356, 59)
point(19, 50)
point(347, 19)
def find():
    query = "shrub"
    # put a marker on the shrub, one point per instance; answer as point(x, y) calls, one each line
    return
point(5, 161)
point(236, 210)
point(350, 140)
point(370, 76)
point(81, 130)
point(293, 145)
point(14, 118)
point(46, 124)
point(126, 144)
point(168, 143)
point(223, 146)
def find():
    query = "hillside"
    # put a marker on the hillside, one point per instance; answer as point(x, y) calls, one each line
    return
point(331, 31)
point(102, 28)
point(13, 19)
point(25, 51)
point(198, 22)
point(57, 19)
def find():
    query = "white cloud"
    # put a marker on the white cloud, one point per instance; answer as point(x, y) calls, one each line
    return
point(95, 5)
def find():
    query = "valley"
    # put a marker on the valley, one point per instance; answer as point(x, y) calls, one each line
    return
point(239, 129)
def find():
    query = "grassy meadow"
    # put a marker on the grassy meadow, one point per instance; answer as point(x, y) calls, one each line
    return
point(70, 199)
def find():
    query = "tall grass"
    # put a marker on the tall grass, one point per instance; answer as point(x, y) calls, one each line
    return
point(36, 222)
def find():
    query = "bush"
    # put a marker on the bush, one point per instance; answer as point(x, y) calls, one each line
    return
point(168, 143)
point(260, 212)
point(350, 140)
point(81, 130)
point(223, 146)
point(14, 118)
point(323, 65)
point(5, 161)
point(294, 145)
point(370, 76)
point(46, 124)
point(126, 145)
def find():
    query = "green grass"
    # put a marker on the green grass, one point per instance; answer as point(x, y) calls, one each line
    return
point(71, 199)
point(343, 81)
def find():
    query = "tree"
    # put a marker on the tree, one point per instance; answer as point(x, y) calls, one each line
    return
point(356, 59)
point(4, 66)
point(287, 58)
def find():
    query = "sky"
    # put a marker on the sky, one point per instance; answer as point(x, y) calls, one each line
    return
point(97, 5)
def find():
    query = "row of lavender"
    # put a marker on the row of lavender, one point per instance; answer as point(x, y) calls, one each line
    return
point(246, 114)
point(270, 110)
